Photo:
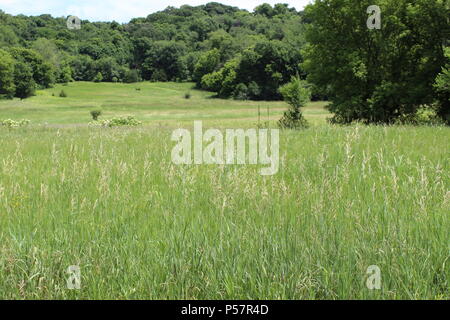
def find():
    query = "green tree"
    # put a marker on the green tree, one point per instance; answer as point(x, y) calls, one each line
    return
point(49, 52)
point(65, 75)
point(225, 43)
point(224, 81)
point(42, 71)
point(297, 95)
point(375, 76)
point(164, 57)
point(131, 76)
point(8, 37)
point(257, 73)
point(442, 87)
point(7, 87)
point(83, 68)
point(165, 45)
point(24, 81)
point(207, 63)
point(98, 77)
point(203, 26)
point(265, 9)
point(109, 68)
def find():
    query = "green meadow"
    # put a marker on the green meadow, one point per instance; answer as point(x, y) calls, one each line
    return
point(140, 227)
point(151, 103)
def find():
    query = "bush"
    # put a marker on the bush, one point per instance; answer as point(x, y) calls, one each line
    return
point(293, 119)
point(442, 88)
point(14, 124)
point(95, 114)
point(159, 75)
point(63, 94)
point(297, 95)
point(117, 122)
point(241, 92)
point(423, 116)
point(131, 76)
point(254, 91)
point(98, 77)
point(207, 63)
point(65, 75)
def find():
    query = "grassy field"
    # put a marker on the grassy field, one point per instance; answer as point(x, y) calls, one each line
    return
point(152, 103)
point(139, 227)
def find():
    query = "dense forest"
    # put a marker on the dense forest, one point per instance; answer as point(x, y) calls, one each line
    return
point(368, 75)
point(181, 44)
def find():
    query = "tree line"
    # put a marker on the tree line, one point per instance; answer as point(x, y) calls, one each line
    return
point(369, 75)
point(177, 44)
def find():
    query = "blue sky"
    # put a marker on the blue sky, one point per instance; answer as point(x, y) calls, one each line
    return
point(119, 10)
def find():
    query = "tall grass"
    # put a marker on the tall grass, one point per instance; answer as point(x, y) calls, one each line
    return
point(140, 227)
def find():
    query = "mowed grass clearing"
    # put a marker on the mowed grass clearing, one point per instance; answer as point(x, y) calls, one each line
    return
point(139, 227)
point(152, 103)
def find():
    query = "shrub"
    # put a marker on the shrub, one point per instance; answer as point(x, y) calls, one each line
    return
point(254, 91)
point(297, 95)
point(65, 75)
point(241, 92)
point(159, 75)
point(14, 124)
point(206, 64)
point(132, 76)
point(117, 122)
point(212, 81)
point(63, 94)
point(98, 77)
point(423, 116)
point(442, 88)
point(95, 114)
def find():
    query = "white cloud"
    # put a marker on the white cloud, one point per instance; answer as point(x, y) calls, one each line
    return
point(119, 10)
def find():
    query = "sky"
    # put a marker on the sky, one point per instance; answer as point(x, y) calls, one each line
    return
point(118, 10)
